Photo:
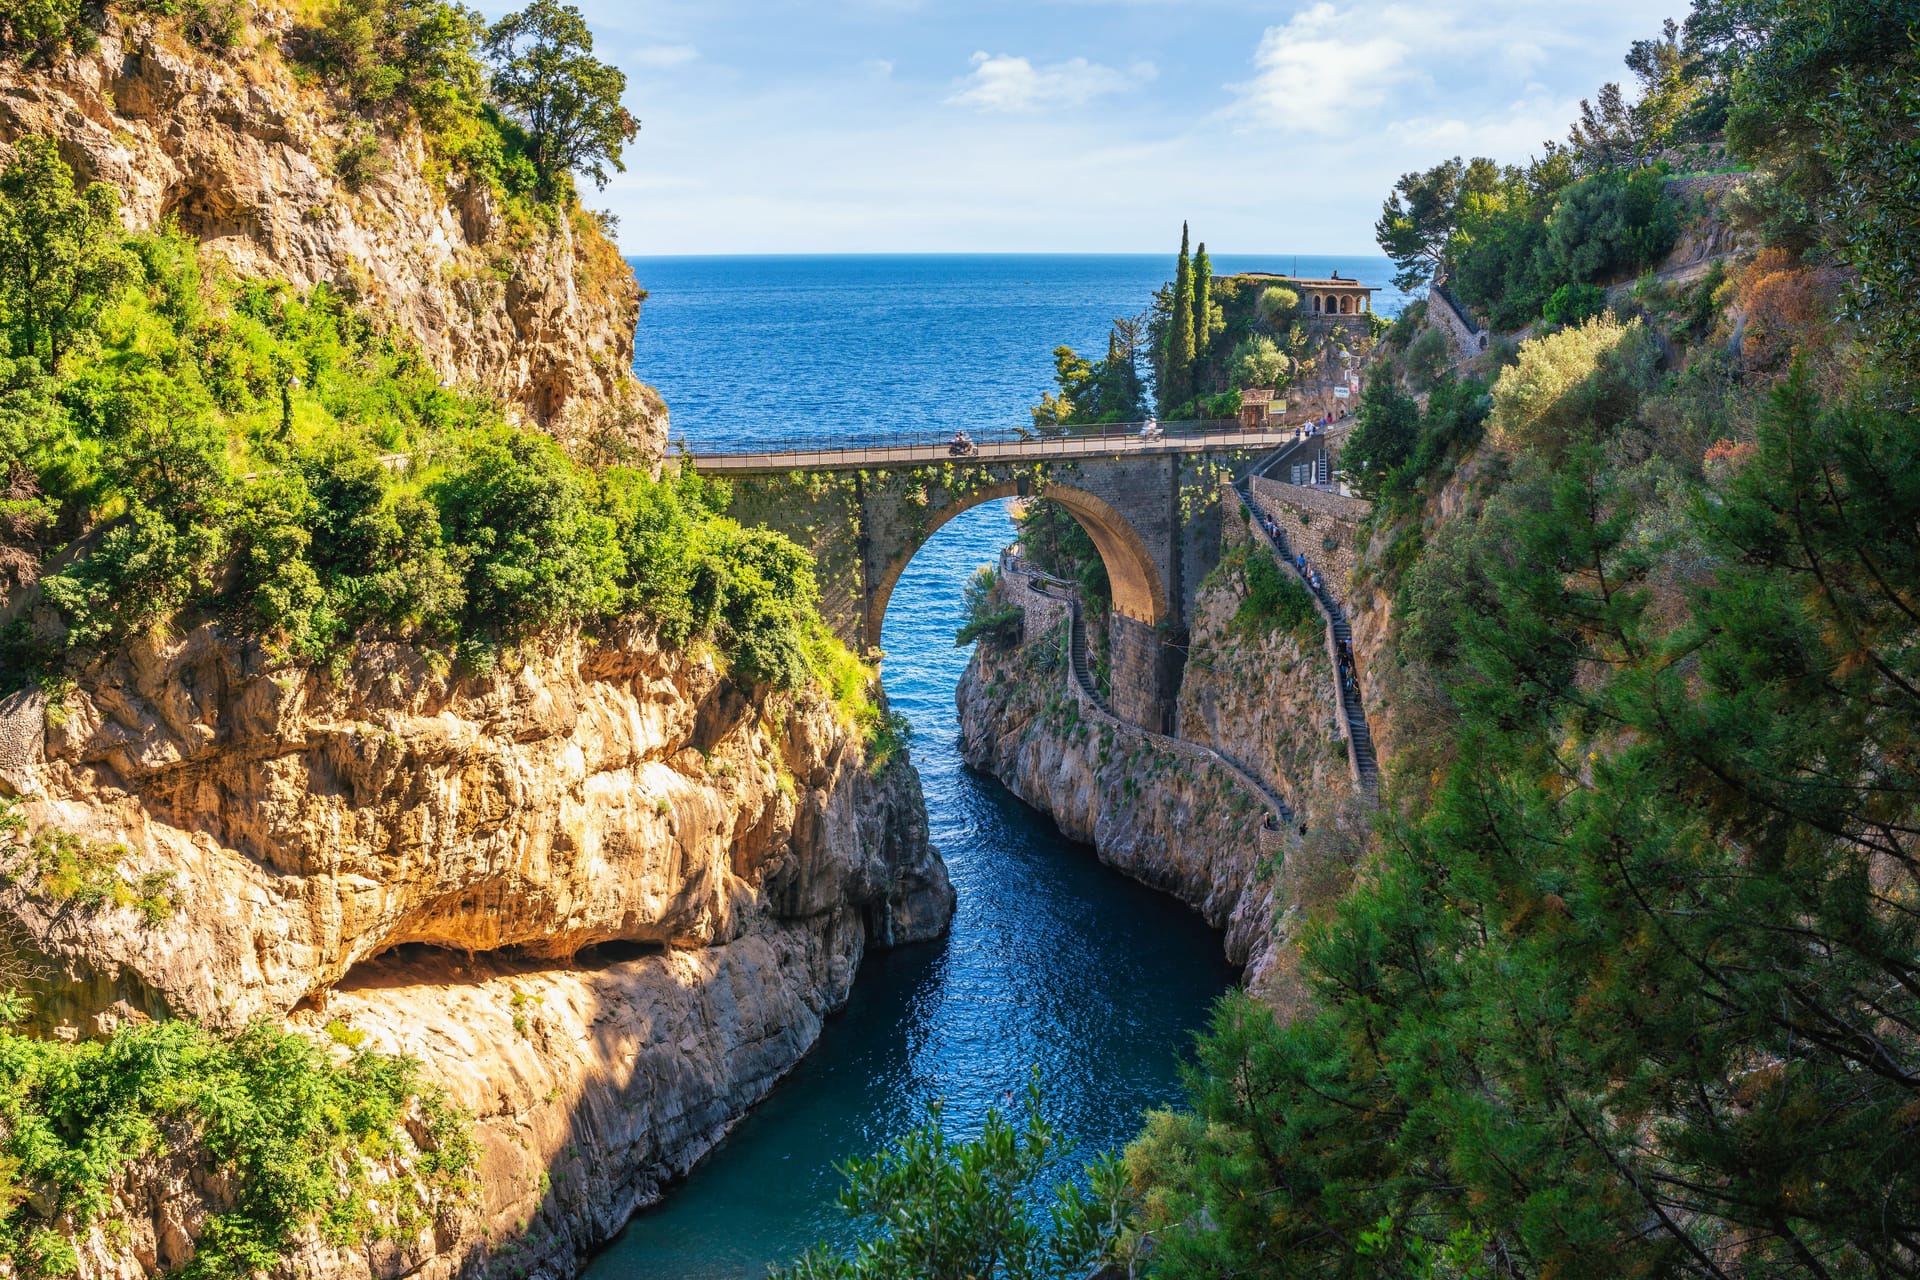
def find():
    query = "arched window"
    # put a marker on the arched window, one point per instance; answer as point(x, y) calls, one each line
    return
point(1316, 302)
point(1346, 306)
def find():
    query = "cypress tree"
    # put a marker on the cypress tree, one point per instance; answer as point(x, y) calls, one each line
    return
point(1206, 317)
point(1179, 364)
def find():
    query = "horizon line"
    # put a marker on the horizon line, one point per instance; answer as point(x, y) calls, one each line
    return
point(1006, 253)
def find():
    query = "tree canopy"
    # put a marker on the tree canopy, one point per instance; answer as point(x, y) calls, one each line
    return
point(976, 1209)
point(60, 254)
point(546, 79)
point(1420, 216)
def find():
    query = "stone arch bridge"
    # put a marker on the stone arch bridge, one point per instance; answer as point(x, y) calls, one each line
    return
point(1151, 508)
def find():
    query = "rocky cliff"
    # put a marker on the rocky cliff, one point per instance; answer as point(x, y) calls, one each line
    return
point(604, 895)
point(606, 898)
point(247, 157)
point(1262, 699)
point(1264, 696)
point(1149, 812)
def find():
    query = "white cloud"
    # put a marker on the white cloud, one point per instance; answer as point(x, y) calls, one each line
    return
point(1321, 70)
point(1002, 82)
point(664, 57)
point(1335, 68)
point(1510, 133)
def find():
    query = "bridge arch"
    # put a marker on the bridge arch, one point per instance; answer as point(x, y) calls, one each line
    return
point(1138, 589)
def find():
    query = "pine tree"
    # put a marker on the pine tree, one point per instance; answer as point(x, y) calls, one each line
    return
point(1179, 361)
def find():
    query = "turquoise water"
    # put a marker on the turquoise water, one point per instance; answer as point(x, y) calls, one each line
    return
point(1054, 961)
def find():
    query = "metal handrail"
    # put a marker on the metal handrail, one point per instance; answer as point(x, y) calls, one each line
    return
point(1353, 711)
point(813, 459)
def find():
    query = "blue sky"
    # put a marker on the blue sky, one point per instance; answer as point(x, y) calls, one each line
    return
point(776, 126)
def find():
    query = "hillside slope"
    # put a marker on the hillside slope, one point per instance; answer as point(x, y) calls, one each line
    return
point(283, 178)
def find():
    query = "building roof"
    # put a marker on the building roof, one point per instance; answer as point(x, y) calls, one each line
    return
point(1308, 284)
point(1256, 395)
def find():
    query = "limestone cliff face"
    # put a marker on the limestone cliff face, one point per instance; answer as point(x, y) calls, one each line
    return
point(245, 157)
point(1263, 700)
point(1264, 697)
point(1184, 829)
point(605, 897)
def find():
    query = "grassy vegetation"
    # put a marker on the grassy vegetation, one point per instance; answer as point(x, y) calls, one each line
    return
point(277, 460)
point(1275, 602)
point(853, 686)
point(299, 1135)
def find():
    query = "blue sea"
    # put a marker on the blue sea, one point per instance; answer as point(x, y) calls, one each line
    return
point(1054, 962)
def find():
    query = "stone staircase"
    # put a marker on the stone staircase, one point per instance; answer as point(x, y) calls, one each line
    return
point(1358, 731)
point(1361, 759)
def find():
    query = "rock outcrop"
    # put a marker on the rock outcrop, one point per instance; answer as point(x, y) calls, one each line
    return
point(1263, 699)
point(242, 155)
point(1154, 813)
point(605, 897)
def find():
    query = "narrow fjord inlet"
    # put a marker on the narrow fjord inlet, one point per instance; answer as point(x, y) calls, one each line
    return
point(797, 695)
point(1054, 961)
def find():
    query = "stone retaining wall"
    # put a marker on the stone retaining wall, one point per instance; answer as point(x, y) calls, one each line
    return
point(1468, 340)
point(1312, 519)
point(1017, 578)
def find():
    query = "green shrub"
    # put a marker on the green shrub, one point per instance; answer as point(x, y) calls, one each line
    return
point(1574, 385)
point(936, 1206)
point(298, 1137)
point(1427, 357)
point(1277, 307)
point(1383, 437)
point(984, 616)
point(1275, 600)
point(420, 56)
point(1503, 269)
point(1574, 304)
point(60, 253)
point(142, 573)
point(38, 29)
point(1612, 224)
point(1257, 362)
point(537, 553)
point(361, 161)
point(213, 25)
point(86, 874)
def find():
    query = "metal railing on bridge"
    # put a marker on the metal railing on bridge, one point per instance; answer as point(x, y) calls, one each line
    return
point(776, 453)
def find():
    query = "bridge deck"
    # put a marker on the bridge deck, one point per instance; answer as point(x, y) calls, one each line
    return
point(1036, 450)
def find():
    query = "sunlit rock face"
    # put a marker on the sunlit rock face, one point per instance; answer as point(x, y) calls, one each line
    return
point(1263, 699)
point(606, 897)
point(280, 178)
